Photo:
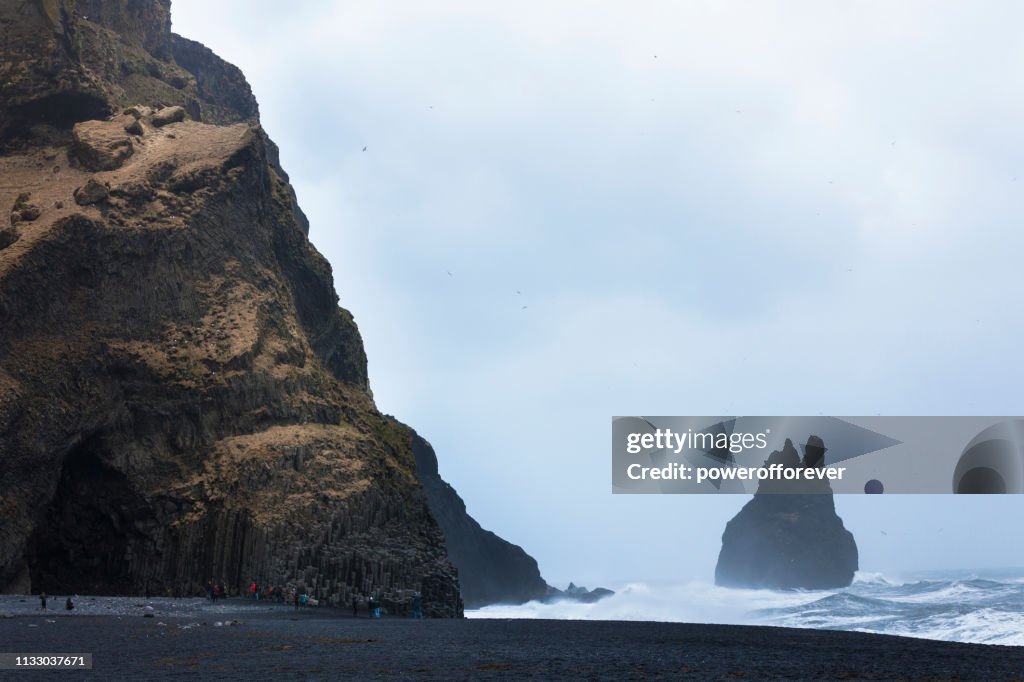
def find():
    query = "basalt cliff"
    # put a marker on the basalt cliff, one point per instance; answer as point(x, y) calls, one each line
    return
point(181, 397)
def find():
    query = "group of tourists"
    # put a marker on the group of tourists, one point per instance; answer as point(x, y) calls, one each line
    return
point(215, 590)
point(300, 597)
point(275, 594)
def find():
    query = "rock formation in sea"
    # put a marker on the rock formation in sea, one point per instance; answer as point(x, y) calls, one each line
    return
point(181, 397)
point(578, 593)
point(788, 540)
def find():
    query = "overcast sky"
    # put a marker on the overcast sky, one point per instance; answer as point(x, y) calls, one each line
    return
point(658, 208)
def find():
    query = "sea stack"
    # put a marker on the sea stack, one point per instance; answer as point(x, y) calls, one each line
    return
point(788, 538)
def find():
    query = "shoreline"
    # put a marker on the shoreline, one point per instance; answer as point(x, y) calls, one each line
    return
point(324, 643)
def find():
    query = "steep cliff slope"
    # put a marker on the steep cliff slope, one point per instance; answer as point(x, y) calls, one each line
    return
point(181, 398)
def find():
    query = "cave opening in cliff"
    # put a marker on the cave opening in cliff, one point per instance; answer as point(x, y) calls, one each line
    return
point(85, 540)
point(59, 111)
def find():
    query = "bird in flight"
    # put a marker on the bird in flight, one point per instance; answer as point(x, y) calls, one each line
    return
point(364, 149)
point(524, 307)
point(449, 273)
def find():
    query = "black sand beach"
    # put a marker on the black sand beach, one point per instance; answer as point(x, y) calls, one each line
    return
point(277, 642)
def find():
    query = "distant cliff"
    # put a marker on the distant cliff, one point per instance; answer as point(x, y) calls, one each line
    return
point(787, 540)
point(491, 570)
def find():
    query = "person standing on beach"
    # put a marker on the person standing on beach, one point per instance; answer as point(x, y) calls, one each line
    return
point(355, 607)
point(296, 599)
point(69, 605)
point(42, 601)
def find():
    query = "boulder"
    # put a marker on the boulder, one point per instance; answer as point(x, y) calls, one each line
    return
point(92, 192)
point(168, 115)
point(24, 210)
point(138, 111)
point(101, 145)
point(134, 127)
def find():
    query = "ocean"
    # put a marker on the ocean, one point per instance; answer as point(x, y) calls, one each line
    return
point(984, 607)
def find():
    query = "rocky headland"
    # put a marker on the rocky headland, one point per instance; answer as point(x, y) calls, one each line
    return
point(181, 396)
point(491, 570)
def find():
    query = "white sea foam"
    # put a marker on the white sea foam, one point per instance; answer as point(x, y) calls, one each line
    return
point(692, 602)
point(871, 578)
point(983, 626)
point(964, 608)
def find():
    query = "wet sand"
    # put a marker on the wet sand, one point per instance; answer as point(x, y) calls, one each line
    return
point(277, 642)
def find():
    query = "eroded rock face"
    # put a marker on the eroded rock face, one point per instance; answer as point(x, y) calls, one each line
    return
point(66, 61)
point(781, 540)
point(181, 398)
point(144, 23)
point(222, 90)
